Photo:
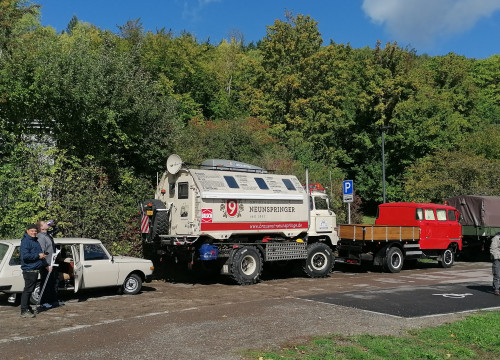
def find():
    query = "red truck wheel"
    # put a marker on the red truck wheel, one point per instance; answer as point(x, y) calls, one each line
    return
point(447, 258)
point(394, 260)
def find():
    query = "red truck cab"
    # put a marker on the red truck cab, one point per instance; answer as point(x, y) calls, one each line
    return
point(439, 226)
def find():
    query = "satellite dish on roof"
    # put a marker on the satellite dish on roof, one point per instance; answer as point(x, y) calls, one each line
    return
point(174, 163)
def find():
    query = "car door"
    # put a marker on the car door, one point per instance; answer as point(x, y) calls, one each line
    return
point(11, 277)
point(78, 266)
point(98, 268)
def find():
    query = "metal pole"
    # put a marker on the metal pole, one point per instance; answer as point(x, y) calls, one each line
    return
point(383, 167)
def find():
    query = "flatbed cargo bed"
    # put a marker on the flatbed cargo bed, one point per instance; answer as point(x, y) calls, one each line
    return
point(368, 232)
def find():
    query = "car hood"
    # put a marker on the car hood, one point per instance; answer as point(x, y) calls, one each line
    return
point(129, 259)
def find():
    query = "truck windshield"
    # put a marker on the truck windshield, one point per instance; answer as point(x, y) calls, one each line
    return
point(429, 214)
point(320, 203)
point(3, 251)
point(441, 214)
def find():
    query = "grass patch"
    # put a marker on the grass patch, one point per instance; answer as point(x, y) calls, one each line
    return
point(369, 220)
point(476, 337)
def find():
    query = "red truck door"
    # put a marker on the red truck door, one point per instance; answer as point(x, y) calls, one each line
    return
point(438, 227)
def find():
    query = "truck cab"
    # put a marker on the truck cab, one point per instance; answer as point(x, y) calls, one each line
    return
point(438, 223)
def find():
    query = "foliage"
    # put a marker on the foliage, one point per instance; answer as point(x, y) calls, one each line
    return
point(446, 174)
point(40, 182)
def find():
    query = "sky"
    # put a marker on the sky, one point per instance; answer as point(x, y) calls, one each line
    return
point(434, 27)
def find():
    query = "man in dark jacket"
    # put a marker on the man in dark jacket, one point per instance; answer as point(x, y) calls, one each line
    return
point(32, 260)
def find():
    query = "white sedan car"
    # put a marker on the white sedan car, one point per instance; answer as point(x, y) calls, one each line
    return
point(83, 263)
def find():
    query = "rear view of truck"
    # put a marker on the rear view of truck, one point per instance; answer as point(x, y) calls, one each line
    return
point(235, 217)
point(480, 220)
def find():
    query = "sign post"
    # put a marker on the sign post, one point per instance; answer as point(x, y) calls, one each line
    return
point(348, 192)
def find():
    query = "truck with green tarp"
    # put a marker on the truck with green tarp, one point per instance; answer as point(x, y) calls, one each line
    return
point(480, 219)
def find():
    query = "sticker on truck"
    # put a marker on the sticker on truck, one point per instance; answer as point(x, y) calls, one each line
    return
point(206, 215)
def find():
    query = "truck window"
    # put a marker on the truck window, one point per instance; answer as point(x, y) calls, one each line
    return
point(262, 183)
point(320, 203)
point(452, 215)
point(419, 214)
point(182, 190)
point(231, 182)
point(441, 214)
point(429, 214)
point(288, 184)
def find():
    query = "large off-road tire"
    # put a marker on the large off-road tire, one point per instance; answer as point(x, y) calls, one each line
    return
point(246, 266)
point(320, 260)
point(132, 285)
point(159, 221)
point(447, 258)
point(393, 261)
point(160, 224)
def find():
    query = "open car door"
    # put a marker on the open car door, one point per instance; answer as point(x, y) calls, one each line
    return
point(78, 266)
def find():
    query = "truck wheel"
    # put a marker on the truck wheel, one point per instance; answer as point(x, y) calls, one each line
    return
point(246, 266)
point(447, 258)
point(132, 284)
point(320, 260)
point(394, 260)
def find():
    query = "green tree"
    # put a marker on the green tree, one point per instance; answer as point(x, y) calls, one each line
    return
point(285, 51)
point(95, 100)
point(451, 173)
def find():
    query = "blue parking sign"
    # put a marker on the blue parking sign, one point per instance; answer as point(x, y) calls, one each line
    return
point(348, 187)
point(348, 190)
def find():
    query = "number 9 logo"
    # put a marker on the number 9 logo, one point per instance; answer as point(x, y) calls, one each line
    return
point(232, 207)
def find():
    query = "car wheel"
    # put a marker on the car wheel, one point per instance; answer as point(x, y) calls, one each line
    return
point(394, 260)
point(447, 258)
point(132, 284)
point(320, 260)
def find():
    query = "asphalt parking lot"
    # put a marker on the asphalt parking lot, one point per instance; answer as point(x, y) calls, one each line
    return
point(410, 302)
point(217, 320)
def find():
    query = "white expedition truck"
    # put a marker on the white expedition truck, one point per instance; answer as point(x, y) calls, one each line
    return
point(234, 217)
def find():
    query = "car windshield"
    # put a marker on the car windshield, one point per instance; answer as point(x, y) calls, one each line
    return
point(3, 250)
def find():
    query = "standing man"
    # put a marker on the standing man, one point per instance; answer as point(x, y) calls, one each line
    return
point(495, 255)
point(46, 241)
point(32, 261)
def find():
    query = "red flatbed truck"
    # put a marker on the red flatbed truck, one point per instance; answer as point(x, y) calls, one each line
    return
point(403, 231)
